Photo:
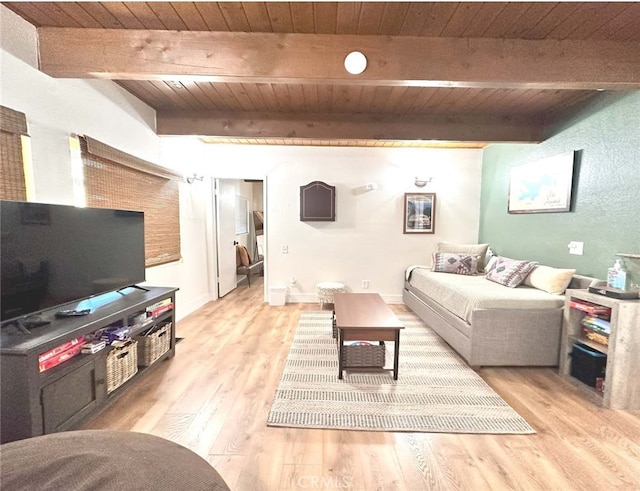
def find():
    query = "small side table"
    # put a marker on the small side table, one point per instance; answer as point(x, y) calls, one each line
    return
point(326, 290)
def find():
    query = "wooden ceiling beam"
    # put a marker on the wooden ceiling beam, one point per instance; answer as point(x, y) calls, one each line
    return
point(349, 126)
point(127, 54)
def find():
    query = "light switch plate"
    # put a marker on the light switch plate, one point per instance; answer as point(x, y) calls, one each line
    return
point(576, 248)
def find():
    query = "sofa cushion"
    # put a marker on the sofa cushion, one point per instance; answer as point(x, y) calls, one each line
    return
point(550, 280)
point(479, 250)
point(510, 272)
point(449, 262)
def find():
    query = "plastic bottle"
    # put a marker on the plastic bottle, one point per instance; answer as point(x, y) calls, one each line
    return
point(621, 278)
point(612, 274)
point(617, 277)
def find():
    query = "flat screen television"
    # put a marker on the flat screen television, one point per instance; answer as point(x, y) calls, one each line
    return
point(52, 255)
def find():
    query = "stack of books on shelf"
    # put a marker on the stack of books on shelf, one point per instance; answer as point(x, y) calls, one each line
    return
point(595, 324)
point(596, 329)
point(60, 354)
point(160, 307)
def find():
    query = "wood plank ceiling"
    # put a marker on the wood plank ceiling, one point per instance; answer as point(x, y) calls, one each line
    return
point(466, 72)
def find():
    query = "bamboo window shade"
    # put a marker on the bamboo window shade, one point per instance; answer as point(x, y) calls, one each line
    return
point(114, 179)
point(13, 125)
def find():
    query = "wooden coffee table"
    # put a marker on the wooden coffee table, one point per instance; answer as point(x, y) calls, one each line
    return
point(365, 317)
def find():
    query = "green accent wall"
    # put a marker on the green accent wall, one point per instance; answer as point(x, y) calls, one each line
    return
point(605, 212)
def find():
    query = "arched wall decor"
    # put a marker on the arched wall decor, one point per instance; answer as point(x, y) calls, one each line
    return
point(317, 202)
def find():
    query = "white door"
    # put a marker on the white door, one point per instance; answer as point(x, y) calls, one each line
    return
point(226, 236)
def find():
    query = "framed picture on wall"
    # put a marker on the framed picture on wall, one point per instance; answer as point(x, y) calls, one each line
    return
point(543, 186)
point(419, 213)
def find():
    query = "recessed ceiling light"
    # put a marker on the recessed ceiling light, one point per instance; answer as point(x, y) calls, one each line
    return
point(355, 63)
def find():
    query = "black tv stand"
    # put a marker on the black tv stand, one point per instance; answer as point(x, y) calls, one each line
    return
point(35, 323)
point(63, 397)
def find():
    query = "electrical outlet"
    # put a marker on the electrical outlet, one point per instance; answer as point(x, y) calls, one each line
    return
point(293, 280)
point(285, 249)
point(365, 284)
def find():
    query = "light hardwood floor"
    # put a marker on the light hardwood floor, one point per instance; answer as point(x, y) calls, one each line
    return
point(214, 398)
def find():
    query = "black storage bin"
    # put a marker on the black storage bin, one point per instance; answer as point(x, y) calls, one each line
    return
point(587, 364)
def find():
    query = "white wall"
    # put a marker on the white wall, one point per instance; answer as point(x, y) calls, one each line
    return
point(366, 240)
point(56, 108)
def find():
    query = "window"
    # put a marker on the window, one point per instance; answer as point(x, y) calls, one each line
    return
point(14, 143)
point(114, 179)
point(242, 215)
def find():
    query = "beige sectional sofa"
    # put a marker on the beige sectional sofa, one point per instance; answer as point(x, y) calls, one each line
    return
point(487, 323)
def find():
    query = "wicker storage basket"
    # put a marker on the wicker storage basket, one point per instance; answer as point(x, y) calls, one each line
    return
point(153, 346)
point(364, 355)
point(122, 364)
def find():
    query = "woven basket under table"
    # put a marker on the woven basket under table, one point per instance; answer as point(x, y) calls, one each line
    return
point(122, 364)
point(364, 355)
point(153, 346)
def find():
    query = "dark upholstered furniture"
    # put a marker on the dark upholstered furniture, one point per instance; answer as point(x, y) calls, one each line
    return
point(103, 460)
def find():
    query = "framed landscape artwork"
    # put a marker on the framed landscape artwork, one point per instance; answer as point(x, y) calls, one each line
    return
point(543, 186)
point(419, 213)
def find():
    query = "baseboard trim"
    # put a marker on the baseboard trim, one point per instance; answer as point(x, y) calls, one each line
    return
point(183, 309)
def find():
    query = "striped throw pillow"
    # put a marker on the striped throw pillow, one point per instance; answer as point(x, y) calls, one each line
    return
point(448, 262)
point(510, 272)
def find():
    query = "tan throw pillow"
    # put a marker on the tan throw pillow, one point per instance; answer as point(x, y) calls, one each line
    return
point(242, 256)
point(550, 280)
point(479, 250)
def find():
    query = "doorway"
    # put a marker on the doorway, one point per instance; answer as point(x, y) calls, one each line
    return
point(238, 221)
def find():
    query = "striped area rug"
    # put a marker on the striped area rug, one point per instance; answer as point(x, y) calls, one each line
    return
point(435, 392)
